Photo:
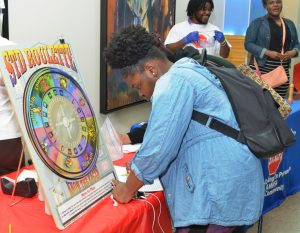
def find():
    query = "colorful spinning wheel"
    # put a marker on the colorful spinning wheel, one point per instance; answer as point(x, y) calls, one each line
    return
point(61, 123)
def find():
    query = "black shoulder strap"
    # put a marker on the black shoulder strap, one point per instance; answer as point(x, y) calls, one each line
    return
point(217, 125)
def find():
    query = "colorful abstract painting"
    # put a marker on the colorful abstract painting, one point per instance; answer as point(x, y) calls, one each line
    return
point(155, 15)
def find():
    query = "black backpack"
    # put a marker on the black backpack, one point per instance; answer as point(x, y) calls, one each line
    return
point(262, 127)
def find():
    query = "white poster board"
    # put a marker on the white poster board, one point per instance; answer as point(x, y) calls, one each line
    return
point(59, 127)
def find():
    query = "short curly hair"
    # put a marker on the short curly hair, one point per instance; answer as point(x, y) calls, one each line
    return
point(264, 3)
point(195, 5)
point(131, 46)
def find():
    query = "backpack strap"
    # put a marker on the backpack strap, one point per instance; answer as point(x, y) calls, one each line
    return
point(217, 125)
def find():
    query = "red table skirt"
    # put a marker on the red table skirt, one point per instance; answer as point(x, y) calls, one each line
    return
point(141, 216)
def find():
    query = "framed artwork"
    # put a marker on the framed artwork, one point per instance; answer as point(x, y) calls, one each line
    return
point(155, 15)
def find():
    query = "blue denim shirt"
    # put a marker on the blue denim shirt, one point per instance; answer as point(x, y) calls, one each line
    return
point(208, 178)
point(258, 38)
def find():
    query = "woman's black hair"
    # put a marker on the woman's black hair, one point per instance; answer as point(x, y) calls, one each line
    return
point(264, 2)
point(130, 48)
point(195, 5)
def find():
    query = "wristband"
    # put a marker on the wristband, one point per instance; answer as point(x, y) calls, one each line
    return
point(223, 43)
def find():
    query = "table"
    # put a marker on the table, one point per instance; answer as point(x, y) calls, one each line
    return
point(282, 173)
point(29, 216)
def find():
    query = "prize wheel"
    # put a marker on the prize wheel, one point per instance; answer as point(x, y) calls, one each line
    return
point(61, 123)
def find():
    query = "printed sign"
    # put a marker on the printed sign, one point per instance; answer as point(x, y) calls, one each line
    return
point(59, 127)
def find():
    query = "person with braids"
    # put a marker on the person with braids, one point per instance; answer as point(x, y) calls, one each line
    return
point(137, 131)
point(211, 182)
point(197, 31)
point(264, 41)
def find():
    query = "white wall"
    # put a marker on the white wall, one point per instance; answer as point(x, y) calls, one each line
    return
point(180, 12)
point(78, 21)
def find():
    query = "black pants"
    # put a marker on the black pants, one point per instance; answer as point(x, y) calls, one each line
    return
point(10, 152)
point(203, 229)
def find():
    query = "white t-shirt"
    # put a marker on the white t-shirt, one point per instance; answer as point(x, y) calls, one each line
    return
point(180, 30)
point(9, 127)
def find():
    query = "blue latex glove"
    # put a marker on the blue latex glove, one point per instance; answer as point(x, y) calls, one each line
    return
point(219, 36)
point(191, 37)
point(142, 124)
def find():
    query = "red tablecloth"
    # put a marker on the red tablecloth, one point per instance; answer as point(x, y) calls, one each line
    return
point(29, 216)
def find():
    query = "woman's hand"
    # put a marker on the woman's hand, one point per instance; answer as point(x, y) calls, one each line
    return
point(289, 54)
point(125, 139)
point(274, 55)
point(121, 193)
point(125, 192)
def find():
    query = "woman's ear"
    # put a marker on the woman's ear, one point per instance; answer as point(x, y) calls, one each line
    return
point(150, 68)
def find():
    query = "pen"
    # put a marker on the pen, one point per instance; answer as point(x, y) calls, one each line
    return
point(9, 228)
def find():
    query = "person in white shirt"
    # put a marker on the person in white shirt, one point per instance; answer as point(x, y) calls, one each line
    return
point(10, 135)
point(196, 31)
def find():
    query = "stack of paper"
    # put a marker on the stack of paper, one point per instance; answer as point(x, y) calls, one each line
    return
point(122, 176)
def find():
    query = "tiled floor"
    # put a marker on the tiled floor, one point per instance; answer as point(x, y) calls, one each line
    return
point(283, 219)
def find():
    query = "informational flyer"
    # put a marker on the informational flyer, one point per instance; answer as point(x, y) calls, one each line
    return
point(59, 127)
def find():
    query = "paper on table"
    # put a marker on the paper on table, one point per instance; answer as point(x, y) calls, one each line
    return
point(27, 174)
point(131, 148)
point(122, 176)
